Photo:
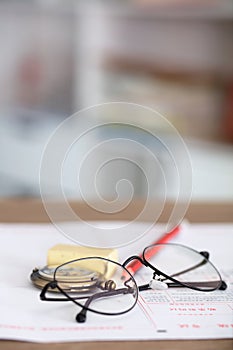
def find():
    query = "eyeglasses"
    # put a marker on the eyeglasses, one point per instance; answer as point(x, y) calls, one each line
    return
point(107, 287)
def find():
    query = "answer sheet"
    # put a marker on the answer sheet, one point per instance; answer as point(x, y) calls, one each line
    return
point(177, 313)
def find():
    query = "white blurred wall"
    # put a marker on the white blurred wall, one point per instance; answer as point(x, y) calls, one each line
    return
point(66, 49)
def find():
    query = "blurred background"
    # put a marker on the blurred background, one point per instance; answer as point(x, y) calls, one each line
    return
point(58, 57)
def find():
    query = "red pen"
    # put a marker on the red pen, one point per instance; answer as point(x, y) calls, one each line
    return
point(135, 265)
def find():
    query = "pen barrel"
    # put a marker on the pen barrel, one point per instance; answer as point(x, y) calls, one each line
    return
point(165, 239)
point(134, 266)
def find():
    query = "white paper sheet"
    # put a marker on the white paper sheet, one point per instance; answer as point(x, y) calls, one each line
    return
point(170, 314)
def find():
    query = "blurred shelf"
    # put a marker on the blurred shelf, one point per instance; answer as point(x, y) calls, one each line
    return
point(169, 9)
point(32, 210)
point(137, 65)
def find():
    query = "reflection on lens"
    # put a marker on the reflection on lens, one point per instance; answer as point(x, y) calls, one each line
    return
point(184, 265)
point(96, 283)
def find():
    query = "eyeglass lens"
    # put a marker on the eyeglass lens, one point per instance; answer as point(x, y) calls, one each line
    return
point(96, 284)
point(185, 265)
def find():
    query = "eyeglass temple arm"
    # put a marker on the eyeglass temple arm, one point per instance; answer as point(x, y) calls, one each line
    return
point(81, 316)
point(223, 285)
point(204, 261)
point(206, 255)
point(53, 285)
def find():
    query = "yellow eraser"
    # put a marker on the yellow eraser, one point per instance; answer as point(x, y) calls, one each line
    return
point(62, 253)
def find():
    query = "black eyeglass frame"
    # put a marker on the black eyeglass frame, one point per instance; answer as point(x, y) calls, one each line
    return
point(54, 284)
point(81, 316)
point(221, 285)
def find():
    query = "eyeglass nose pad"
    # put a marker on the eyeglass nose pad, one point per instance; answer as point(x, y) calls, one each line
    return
point(158, 285)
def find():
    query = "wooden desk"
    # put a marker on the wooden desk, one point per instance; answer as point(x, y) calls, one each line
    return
point(21, 210)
